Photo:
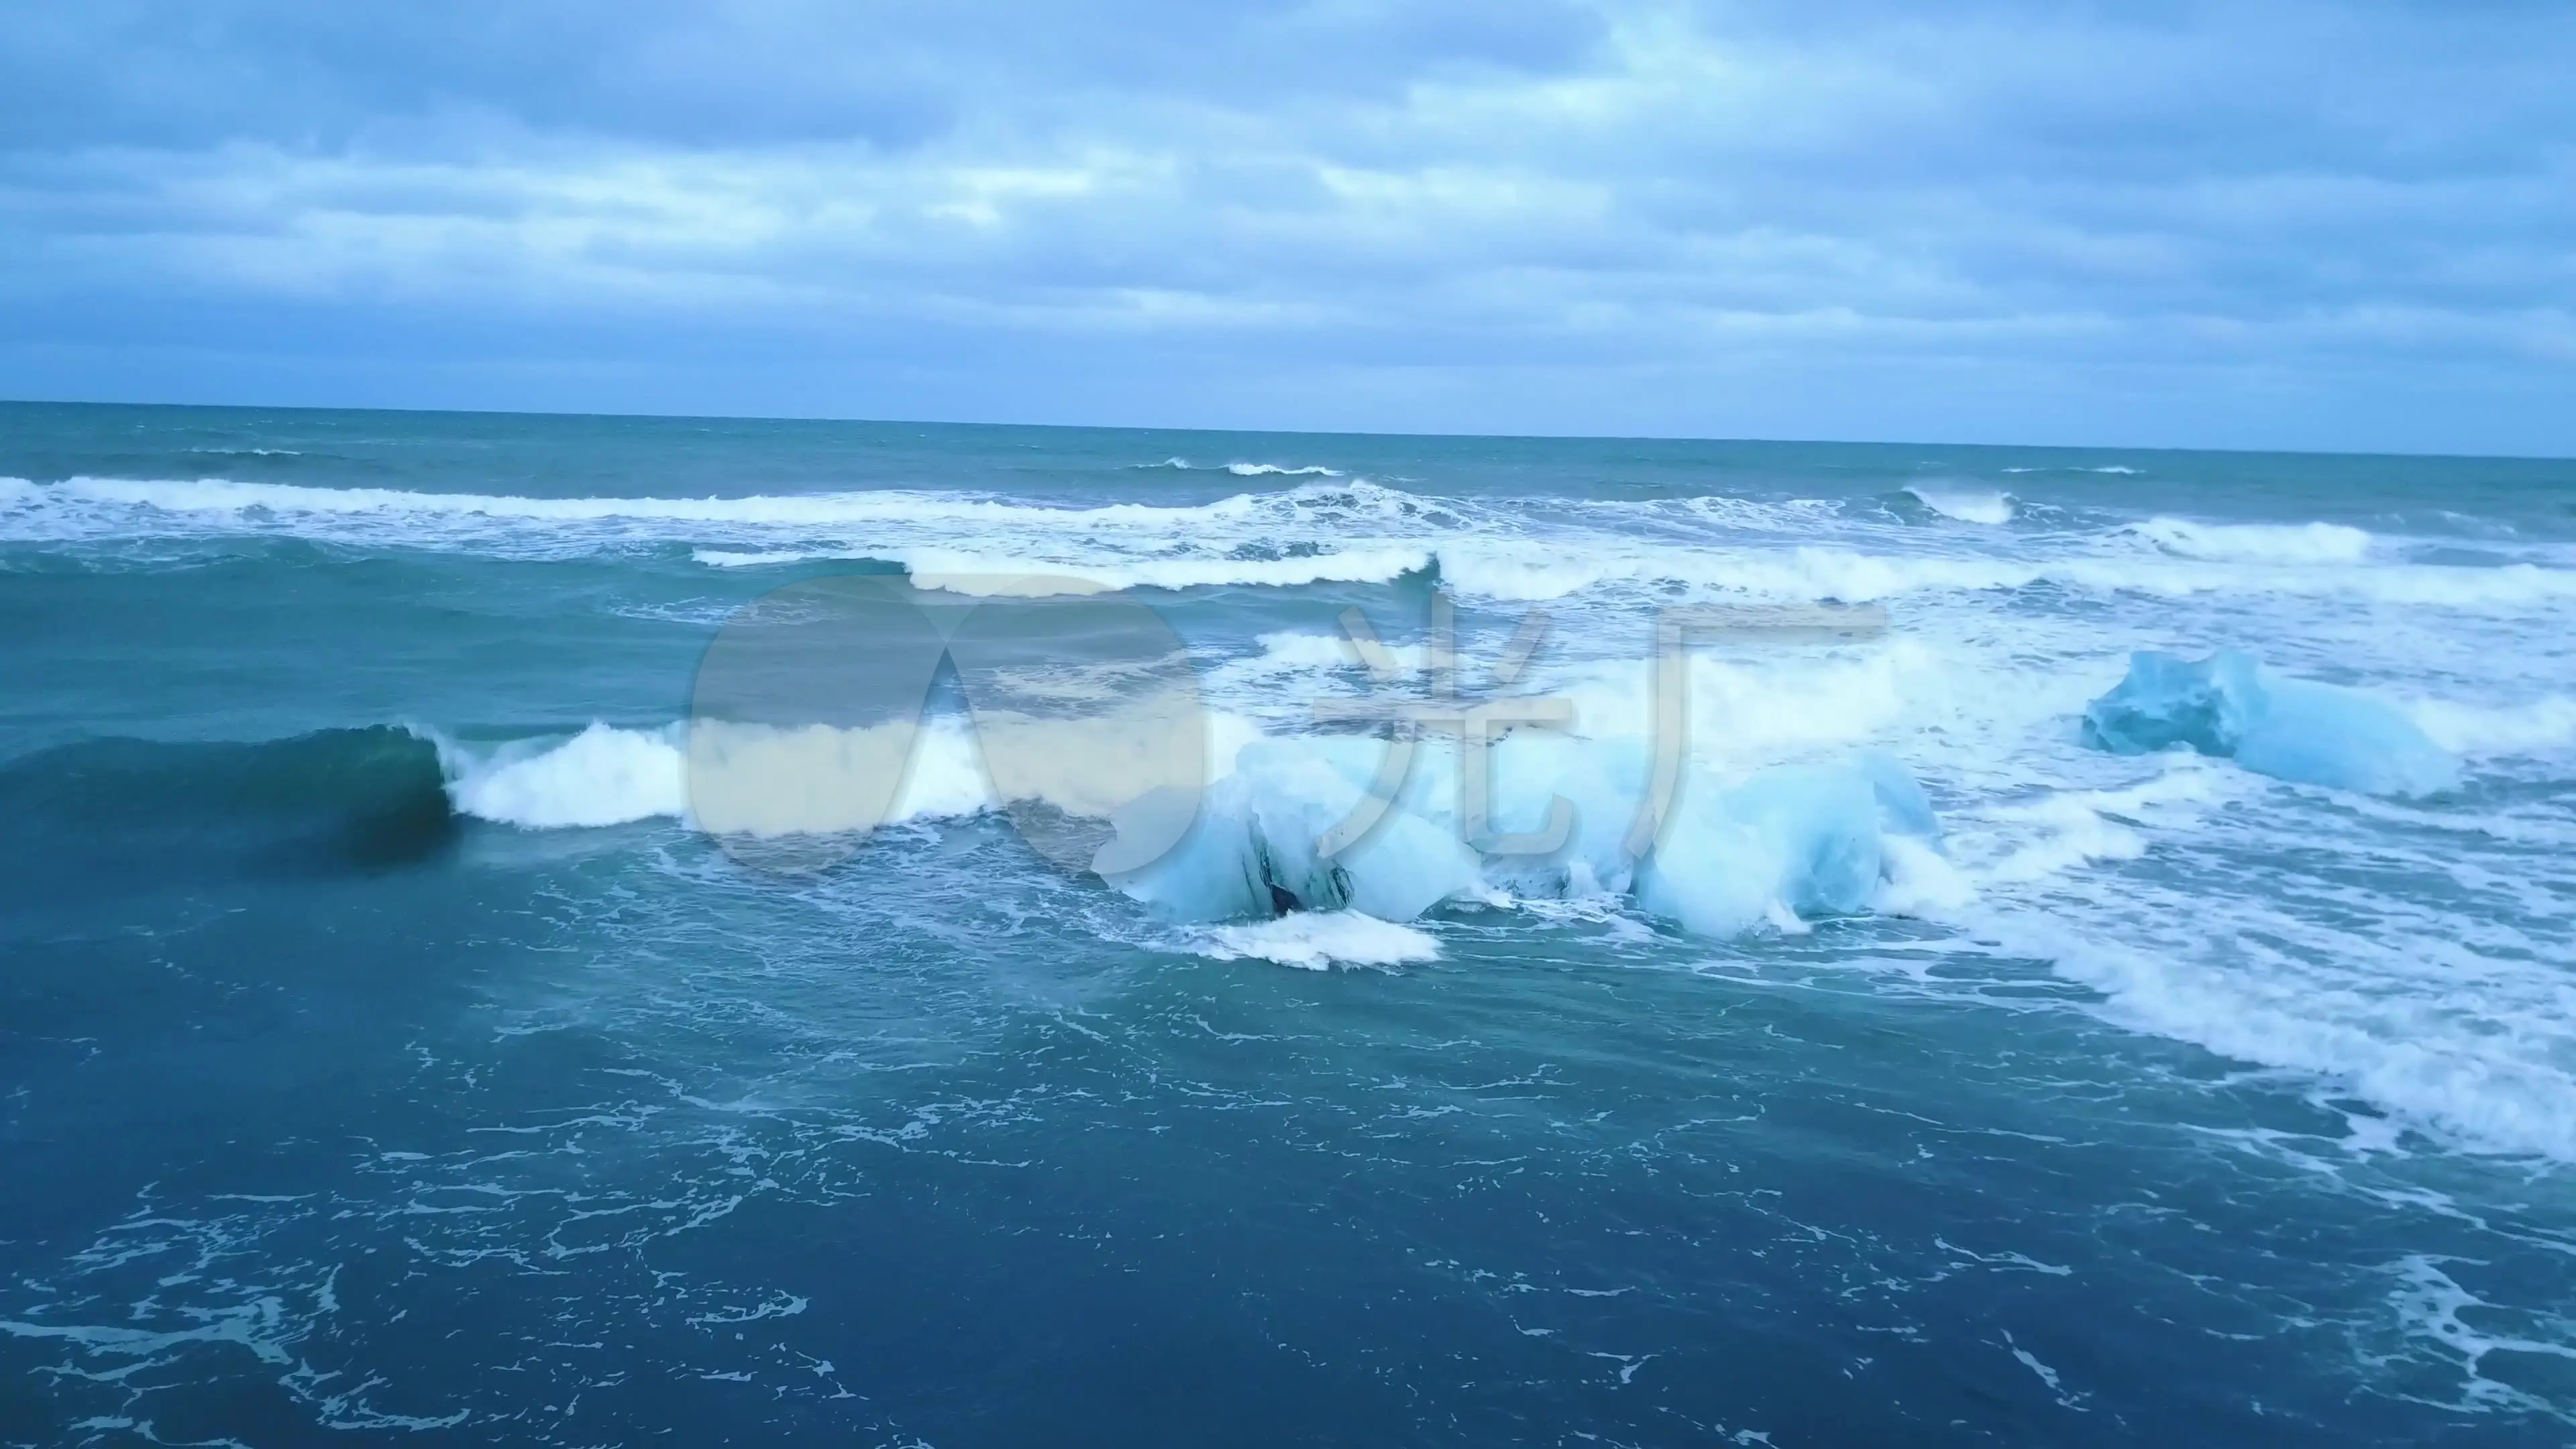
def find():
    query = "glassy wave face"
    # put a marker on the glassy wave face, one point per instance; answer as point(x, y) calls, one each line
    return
point(2128, 998)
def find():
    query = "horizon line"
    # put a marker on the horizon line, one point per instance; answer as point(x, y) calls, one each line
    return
point(852, 420)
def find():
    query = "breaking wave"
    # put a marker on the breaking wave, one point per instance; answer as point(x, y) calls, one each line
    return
point(1754, 846)
point(1319, 941)
point(128, 813)
point(1351, 531)
point(2538, 727)
point(1967, 505)
point(1253, 470)
point(2299, 543)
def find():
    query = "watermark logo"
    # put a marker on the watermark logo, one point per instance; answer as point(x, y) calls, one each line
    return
point(1477, 724)
point(807, 717)
point(807, 724)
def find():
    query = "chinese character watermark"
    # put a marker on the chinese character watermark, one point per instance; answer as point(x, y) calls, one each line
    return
point(1477, 725)
point(1084, 708)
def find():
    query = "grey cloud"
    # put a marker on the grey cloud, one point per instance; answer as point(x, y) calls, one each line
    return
point(686, 72)
point(1459, 203)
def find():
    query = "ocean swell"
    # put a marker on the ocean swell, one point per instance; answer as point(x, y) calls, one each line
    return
point(1325, 532)
point(124, 814)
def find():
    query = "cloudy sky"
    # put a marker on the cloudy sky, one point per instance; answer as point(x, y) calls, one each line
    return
point(2229, 224)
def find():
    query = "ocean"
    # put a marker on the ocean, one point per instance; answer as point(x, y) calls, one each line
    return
point(388, 1052)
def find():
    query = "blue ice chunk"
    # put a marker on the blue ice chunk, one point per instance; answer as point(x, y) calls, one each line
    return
point(2230, 707)
point(1602, 780)
point(1252, 851)
point(2322, 734)
point(1826, 822)
point(1903, 808)
point(1215, 872)
point(1711, 872)
point(1810, 839)
point(2166, 700)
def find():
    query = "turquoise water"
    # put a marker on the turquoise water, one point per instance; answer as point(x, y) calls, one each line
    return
point(383, 1053)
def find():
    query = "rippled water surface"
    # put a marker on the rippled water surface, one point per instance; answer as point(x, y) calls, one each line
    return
point(383, 1055)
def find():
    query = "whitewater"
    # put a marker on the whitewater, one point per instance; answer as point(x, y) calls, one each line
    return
point(2167, 904)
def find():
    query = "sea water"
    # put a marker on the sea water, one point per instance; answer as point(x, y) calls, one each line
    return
point(387, 1053)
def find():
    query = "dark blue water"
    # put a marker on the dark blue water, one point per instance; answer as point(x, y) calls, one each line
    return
point(384, 1056)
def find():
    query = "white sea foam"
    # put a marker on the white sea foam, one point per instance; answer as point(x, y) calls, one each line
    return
point(1353, 531)
point(2299, 543)
point(741, 558)
point(2541, 726)
point(221, 496)
point(974, 573)
point(1537, 571)
point(1253, 470)
point(602, 776)
point(2019, 843)
point(2455, 1019)
point(1349, 531)
point(985, 574)
point(1288, 651)
point(1532, 572)
point(2442, 1039)
point(1319, 941)
point(2432, 1306)
point(2210, 906)
point(2075, 834)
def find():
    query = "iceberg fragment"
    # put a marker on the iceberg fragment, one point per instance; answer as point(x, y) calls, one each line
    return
point(2229, 706)
point(1793, 841)
point(1811, 840)
point(1253, 850)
